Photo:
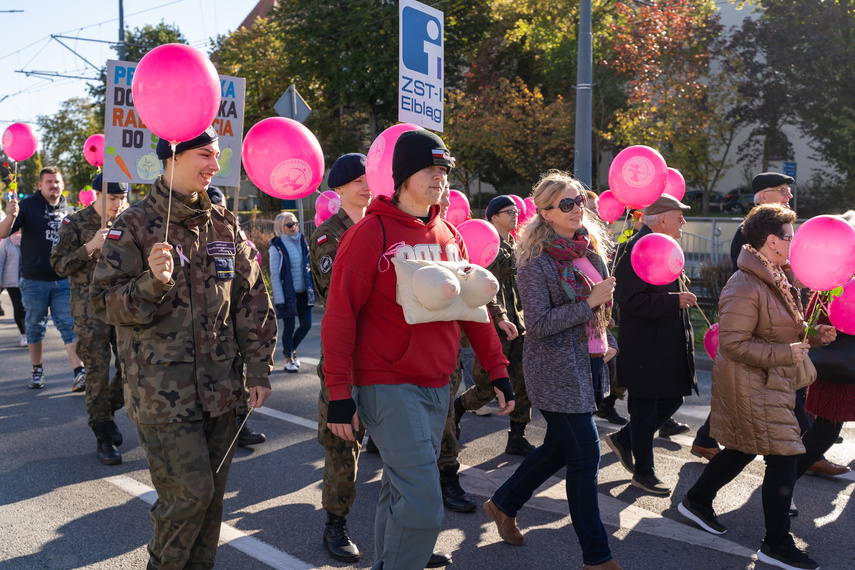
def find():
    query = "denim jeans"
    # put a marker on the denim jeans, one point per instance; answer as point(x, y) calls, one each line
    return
point(38, 297)
point(646, 415)
point(291, 339)
point(572, 442)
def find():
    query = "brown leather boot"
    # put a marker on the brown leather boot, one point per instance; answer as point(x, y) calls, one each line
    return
point(507, 526)
point(610, 565)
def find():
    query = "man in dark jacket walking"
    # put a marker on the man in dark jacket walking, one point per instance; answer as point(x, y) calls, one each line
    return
point(656, 345)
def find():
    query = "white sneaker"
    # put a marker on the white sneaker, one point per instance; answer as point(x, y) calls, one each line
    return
point(483, 411)
point(294, 359)
point(290, 366)
point(24, 341)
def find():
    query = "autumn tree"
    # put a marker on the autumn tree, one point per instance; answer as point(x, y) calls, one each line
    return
point(63, 136)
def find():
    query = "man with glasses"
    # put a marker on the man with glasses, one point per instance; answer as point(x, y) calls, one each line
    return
point(656, 359)
point(769, 188)
point(507, 315)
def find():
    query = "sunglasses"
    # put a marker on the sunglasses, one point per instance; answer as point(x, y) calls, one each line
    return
point(567, 204)
point(290, 225)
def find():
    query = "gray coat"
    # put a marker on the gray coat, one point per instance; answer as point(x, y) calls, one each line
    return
point(10, 260)
point(556, 362)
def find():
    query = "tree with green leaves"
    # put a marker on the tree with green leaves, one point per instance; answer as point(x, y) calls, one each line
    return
point(63, 136)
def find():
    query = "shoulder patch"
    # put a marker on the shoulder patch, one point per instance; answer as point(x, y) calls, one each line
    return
point(65, 220)
point(114, 234)
point(326, 263)
point(322, 239)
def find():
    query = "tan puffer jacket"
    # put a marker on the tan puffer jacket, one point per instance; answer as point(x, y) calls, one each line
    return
point(754, 377)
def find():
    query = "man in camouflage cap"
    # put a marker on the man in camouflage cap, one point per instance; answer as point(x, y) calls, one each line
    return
point(190, 311)
point(81, 238)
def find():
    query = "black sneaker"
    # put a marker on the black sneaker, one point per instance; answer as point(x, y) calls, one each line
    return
point(672, 427)
point(786, 555)
point(38, 380)
point(703, 516)
point(623, 454)
point(651, 483)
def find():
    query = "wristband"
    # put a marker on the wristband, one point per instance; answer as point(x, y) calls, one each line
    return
point(504, 385)
point(341, 411)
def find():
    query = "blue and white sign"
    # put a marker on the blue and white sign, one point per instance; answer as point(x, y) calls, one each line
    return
point(790, 169)
point(421, 84)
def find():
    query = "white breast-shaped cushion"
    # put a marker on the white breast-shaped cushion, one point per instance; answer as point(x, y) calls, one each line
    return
point(430, 291)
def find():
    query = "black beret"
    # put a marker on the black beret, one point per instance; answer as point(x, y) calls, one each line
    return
point(770, 180)
point(347, 168)
point(164, 151)
point(496, 204)
point(112, 187)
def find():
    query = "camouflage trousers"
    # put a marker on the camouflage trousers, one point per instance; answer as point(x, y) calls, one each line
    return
point(96, 341)
point(339, 487)
point(482, 393)
point(183, 458)
point(448, 447)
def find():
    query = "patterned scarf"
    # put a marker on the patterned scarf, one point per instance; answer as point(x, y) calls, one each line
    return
point(781, 283)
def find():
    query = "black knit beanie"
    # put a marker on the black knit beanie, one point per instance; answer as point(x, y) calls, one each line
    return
point(416, 150)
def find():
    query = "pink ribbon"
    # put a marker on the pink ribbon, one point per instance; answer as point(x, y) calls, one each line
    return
point(181, 257)
point(383, 264)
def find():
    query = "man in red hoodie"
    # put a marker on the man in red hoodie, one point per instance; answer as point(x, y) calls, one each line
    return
point(390, 375)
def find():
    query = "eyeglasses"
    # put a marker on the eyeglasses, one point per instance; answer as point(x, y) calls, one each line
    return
point(783, 191)
point(510, 212)
point(290, 225)
point(786, 237)
point(567, 204)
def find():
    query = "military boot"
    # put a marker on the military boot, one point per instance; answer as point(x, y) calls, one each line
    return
point(106, 452)
point(517, 443)
point(246, 436)
point(337, 541)
point(116, 434)
point(459, 410)
point(453, 496)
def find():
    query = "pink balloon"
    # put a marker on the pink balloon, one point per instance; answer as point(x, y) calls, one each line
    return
point(327, 205)
point(822, 253)
point(378, 163)
point(481, 240)
point(841, 311)
point(609, 207)
point(283, 158)
point(657, 259)
point(86, 197)
point(176, 92)
point(318, 220)
point(458, 210)
point(520, 204)
point(530, 211)
point(711, 341)
point(93, 150)
point(258, 256)
point(675, 184)
point(19, 141)
point(637, 176)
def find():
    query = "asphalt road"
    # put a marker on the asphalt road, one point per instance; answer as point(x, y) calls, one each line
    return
point(60, 508)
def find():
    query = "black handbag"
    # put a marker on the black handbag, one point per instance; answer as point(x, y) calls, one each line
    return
point(835, 362)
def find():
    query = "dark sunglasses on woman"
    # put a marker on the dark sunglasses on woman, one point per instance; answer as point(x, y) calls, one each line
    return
point(290, 225)
point(567, 204)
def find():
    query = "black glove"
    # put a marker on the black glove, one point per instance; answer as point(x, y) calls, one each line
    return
point(504, 385)
point(341, 411)
point(280, 310)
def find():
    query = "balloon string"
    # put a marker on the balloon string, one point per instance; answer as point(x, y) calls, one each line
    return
point(698, 307)
point(169, 199)
point(616, 258)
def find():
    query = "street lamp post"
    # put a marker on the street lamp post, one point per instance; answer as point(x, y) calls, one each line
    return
point(583, 142)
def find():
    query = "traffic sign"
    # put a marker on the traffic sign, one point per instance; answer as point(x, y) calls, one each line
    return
point(292, 106)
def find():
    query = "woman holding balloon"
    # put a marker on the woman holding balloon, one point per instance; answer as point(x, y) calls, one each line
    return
point(761, 362)
point(566, 295)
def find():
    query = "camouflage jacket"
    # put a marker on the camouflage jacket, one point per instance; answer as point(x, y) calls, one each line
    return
point(184, 344)
point(322, 248)
point(504, 269)
point(69, 258)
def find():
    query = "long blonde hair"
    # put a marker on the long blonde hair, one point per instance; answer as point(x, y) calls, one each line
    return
point(538, 232)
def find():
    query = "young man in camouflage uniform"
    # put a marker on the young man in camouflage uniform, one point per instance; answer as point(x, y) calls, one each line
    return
point(81, 239)
point(347, 177)
point(190, 312)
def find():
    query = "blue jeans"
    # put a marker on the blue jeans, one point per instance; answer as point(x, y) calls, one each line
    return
point(291, 339)
point(572, 442)
point(38, 297)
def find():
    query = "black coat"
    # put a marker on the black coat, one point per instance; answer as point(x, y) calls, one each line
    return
point(656, 357)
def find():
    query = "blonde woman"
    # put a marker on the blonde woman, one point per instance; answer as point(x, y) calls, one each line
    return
point(566, 295)
point(291, 281)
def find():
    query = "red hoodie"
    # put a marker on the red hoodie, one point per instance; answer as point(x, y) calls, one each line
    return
point(365, 338)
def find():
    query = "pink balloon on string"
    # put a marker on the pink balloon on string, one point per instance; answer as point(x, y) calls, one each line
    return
point(530, 211)
point(675, 184)
point(378, 163)
point(610, 209)
point(822, 253)
point(841, 311)
point(176, 92)
point(93, 150)
point(86, 197)
point(520, 203)
point(19, 141)
point(711, 341)
point(327, 205)
point(258, 256)
point(458, 209)
point(481, 240)
point(318, 220)
point(283, 158)
point(637, 176)
point(657, 259)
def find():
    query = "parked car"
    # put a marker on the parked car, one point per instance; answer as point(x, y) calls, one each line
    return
point(739, 201)
point(694, 198)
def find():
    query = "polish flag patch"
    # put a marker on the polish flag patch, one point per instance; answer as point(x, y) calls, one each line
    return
point(322, 239)
point(66, 221)
point(114, 234)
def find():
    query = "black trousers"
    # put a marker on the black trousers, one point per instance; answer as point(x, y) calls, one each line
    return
point(646, 416)
point(18, 308)
point(817, 440)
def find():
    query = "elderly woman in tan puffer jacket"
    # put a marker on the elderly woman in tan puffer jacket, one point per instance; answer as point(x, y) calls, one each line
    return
point(760, 364)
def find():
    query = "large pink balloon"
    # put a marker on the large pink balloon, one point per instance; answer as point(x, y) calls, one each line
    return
point(327, 205)
point(176, 92)
point(283, 158)
point(481, 240)
point(637, 176)
point(19, 141)
point(675, 185)
point(610, 209)
point(86, 197)
point(378, 163)
point(841, 311)
point(822, 253)
point(657, 259)
point(711, 341)
point(93, 150)
point(458, 209)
